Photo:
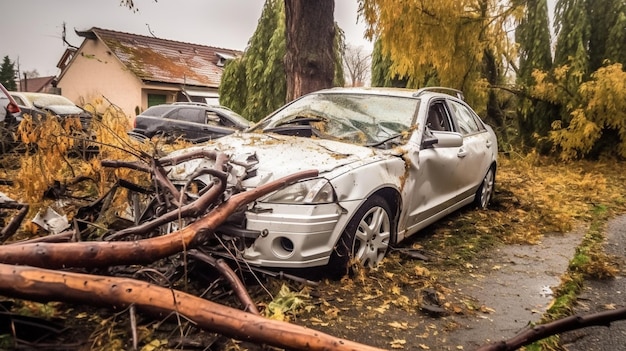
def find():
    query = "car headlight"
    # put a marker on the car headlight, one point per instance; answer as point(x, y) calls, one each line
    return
point(312, 191)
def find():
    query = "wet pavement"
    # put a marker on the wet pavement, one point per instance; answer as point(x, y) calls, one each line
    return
point(514, 284)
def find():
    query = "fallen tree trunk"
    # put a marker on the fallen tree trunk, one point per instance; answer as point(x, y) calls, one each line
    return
point(45, 285)
point(558, 326)
point(102, 254)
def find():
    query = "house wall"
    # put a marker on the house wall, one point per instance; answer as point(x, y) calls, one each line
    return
point(94, 72)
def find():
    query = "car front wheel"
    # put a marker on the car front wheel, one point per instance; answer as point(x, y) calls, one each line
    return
point(365, 239)
point(485, 190)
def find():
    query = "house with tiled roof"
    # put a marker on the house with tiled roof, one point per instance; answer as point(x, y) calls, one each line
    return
point(135, 72)
point(38, 84)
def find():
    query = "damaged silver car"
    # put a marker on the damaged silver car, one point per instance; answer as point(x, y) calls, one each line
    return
point(390, 162)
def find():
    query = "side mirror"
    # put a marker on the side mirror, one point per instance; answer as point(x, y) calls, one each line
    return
point(443, 139)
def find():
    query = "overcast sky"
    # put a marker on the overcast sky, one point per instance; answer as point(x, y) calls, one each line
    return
point(30, 30)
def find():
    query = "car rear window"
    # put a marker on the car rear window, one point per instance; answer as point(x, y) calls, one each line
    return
point(156, 111)
point(189, 115)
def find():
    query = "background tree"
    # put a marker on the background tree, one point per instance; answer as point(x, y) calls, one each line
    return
point(590, 124)
point(597, 112)
point(440, 42)
point(255, 84)
point(357, 65)
point(573, 33)
point(7, 74)
point(607, 36)
point(310, 34)
point(532, 35)
point(382, 76)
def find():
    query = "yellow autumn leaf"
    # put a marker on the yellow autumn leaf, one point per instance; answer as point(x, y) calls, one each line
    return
point(398, 343)
point(398, 325)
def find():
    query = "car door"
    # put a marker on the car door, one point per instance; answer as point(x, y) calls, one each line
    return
point(189, 125)
point(431, 184)
point(474, 157)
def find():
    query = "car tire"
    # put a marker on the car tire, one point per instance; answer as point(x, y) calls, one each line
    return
point(365, 239)
point(485, 190)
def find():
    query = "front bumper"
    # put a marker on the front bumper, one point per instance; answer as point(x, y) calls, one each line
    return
point(293, 236)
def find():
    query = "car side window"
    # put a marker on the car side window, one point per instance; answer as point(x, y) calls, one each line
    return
point(437, 119)
point(19, 101)
point(212, 118)
point(189, 115)
point(464, 118)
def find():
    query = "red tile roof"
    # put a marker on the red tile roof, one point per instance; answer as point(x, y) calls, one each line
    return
point(36, 85)
point(160, 60)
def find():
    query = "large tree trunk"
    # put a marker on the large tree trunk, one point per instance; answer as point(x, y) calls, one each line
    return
point(309, 62)
point(45, 285)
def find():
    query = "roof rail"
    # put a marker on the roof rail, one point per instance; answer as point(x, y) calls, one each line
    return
point(449, 91)
point(190, 103)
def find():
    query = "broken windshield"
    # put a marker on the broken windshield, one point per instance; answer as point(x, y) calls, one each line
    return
point(356, 118)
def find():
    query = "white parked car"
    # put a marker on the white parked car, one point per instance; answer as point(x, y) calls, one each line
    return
point(390, 162)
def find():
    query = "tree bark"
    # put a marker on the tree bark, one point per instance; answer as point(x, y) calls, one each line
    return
point(310, 33)
point(102, 254)
point(528, 336)
point(45, 285)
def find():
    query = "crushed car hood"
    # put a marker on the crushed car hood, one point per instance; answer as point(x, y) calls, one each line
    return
point(272, 156)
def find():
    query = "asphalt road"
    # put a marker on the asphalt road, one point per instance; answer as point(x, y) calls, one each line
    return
point(602, 295)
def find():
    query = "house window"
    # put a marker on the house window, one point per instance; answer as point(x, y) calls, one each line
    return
point(156, 99)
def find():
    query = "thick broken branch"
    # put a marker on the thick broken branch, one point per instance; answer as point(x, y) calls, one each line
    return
point(102, 254)
point(559, 326)
point(231, 277)
point(45, 285)
point(16, 221)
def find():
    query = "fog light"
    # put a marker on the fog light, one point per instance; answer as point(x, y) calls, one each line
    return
point(282, 247)
point(286, 244)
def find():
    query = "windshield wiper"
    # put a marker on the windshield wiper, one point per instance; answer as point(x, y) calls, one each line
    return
point(299, 119)
point(386, 140)
point(296, 125)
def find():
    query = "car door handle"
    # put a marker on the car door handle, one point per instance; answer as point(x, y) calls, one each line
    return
point(462, 153)
point(488, 143)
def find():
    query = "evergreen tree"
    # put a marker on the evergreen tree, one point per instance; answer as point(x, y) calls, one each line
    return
point(607, 39)
point(255, 84)
point(587, 79)
point(572, 45)
point(382, 75)
point(7, 74)
point(533, 38)
point(616, 42)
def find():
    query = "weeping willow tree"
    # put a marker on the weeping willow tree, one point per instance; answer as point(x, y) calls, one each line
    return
point(255, 84)
point(590, 97)
point(535, 116)
point(441, 42)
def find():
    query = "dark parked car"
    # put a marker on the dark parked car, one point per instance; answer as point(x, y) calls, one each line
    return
point(196, 122)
